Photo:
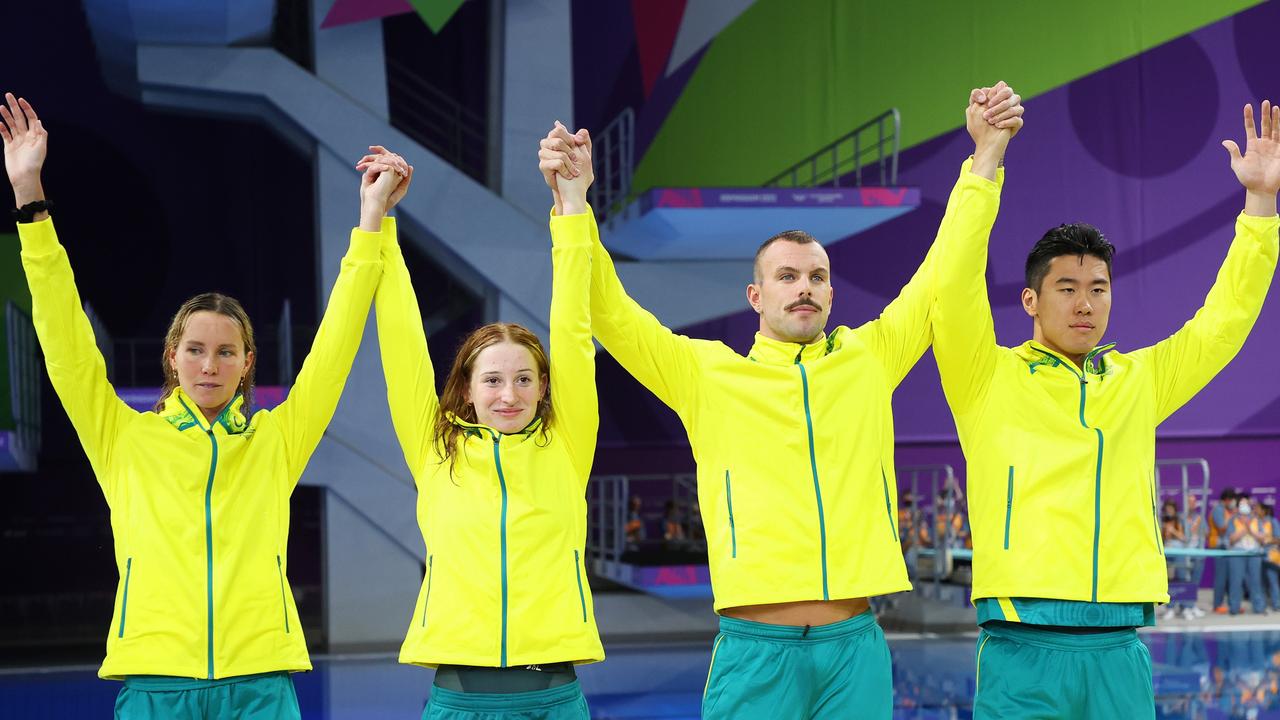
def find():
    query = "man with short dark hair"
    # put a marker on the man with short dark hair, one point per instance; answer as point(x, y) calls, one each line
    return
point(794, 446)
point(1059, 438)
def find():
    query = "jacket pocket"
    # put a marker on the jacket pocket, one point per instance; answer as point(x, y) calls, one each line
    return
point(888, 506)
point(582, 596)
point(283, 602)
point(427, 600)
point(1008, 509)
point(733, 531)
point(124, 602)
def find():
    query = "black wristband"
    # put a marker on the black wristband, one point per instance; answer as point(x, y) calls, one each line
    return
point(27, 213)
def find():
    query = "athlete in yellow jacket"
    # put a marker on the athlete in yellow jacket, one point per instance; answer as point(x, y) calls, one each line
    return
point(204, 624)
point(501, 460)
point(794, 445)
point(1059, 437)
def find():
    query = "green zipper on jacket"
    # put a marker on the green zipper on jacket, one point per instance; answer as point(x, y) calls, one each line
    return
point(1008, 509)
point(502, 536)
point(208, 527)
point(888, 506)
point(1155, 516)
point(427, 600)
point(124, 602)
point(283, 602)
point(733, 533)
point(1097, 473)
point(582, 597)
point(813, 465)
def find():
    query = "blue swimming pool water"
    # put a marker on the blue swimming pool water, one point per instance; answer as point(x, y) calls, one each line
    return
point(1198, 675)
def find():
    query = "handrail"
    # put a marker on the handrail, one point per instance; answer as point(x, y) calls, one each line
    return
point(436, 120)
point(831, 173)
point(613, 154)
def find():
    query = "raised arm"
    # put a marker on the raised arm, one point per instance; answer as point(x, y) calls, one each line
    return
point(406, 362)
point(573, 365)
point(76, 367)
point(1186, 361)
point(964, 339)
point(661, 360)
point(305, 414)
point(905, 328)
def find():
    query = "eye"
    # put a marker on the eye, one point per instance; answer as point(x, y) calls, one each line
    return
point(491, 381)
point(193, 350)
point(1069, 291)
point(786, 277)
point(524, 380)
point(226, 353)
point(819, 279)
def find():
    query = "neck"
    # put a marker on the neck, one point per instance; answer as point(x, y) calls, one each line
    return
point(1076, 359)
point(766, 331)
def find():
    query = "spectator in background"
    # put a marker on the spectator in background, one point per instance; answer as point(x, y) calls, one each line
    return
point(1219, 519)
point(1196, 530)
point(1271, 561)
point(1247, 533)
point(673, 532)
point(1174, 533)
point(635, 524)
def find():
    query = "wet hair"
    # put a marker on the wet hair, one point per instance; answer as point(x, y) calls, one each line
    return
point(453, 400)
point(798, 237)
point(1228, 494)
point(224, 305)
point(1075, 239)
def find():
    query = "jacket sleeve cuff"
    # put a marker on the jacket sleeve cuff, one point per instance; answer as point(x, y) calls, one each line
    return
point(967, 176)
point(38, 238)
point(367, 246)
point(570, 231)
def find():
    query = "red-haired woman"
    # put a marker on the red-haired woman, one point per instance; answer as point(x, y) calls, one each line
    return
point(204, 623)
point(501, 460)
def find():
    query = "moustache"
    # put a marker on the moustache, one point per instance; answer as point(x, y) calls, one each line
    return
point(800, 303)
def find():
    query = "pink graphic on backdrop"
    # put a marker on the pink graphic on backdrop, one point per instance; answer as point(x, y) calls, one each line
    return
point(656, 24)
point(891, 197)
point(346, 12)
point(679, 198)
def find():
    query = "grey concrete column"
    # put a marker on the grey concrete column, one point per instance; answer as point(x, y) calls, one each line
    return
point(537, 90)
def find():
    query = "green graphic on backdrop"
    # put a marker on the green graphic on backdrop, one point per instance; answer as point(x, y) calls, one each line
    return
point(787, 78)
point(435, 13)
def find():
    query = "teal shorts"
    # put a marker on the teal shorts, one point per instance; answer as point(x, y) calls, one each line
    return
point(558, 703)
point(782, 672)
point(1033, 673)
point(267, 696)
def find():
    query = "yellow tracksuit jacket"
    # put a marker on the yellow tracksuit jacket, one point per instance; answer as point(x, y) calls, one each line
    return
point(1061, 461)
point(794, 443)
point(199, 511)
point(505, 535)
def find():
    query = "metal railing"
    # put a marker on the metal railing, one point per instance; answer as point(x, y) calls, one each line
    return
point(608, 511)
point(850, 154)
point(284, 340)
point(436, 120)
point(613, 154)
point(24, 385)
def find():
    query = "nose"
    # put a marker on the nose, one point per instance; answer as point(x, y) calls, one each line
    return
point(508, 394)
point(209, 366)
point(1083, 307)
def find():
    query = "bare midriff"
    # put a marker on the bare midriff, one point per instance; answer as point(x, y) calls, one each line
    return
point(803, 612)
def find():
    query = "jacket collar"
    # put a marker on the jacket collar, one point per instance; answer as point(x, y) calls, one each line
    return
point(471, 429)
point(181, 412)
point(768, 351)
point(1037, 356)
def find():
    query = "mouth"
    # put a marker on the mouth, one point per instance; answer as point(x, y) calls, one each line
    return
point(208, 386)
point(1082, 326)
point(508, 412)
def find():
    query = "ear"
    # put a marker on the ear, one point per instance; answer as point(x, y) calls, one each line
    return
point(173, 361)
point(753, 297)
point(545, 382)
point(1029, 301)
point(248, 363)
